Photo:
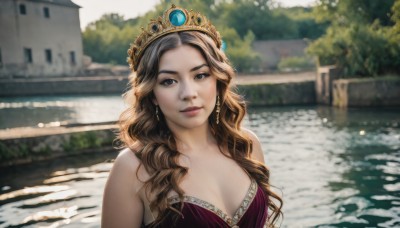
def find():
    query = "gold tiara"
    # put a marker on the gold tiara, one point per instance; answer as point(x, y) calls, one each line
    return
point(175, 19)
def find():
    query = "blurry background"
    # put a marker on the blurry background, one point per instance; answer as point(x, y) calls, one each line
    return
point(321, 79)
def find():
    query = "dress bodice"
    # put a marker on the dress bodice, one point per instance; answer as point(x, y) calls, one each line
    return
point(252, 213)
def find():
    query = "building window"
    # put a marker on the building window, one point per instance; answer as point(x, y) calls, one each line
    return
point(46, 12)
point(22, 9)
point(28, 55)
point(49, 58)
point(72, 57)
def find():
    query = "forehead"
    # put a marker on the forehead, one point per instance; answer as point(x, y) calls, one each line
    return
point(182, 58)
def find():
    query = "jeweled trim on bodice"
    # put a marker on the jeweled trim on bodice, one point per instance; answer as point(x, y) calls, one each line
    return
point(232, 222)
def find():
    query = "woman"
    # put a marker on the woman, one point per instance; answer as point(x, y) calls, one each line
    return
point(188, 162)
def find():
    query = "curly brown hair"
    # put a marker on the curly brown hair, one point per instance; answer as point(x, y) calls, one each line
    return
point(158, 152)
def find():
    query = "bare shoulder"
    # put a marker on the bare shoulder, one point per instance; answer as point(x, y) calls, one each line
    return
point(126, 165)
point(257, 153)
point(122, 204)
point(126, 159)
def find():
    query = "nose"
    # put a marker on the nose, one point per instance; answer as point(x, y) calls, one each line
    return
point(188, 90)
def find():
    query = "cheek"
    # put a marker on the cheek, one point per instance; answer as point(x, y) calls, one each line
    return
point(210, 92)
point(162, 98)
point(212, 88)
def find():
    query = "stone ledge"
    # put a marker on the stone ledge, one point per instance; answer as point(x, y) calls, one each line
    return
point(279, 93)
point(29, 145)
point(358, 92)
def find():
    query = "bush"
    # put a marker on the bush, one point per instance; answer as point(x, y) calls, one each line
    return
point(240, 52)
point(362, 42)
point(296, 63)
point(358, 50)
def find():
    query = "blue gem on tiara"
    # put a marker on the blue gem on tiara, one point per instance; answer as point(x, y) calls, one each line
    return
point(177, 17)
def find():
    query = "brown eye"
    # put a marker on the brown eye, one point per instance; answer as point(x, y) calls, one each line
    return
point(202, 76)
point(167, 82)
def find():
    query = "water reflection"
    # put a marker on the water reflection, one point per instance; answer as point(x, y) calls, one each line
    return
point(374, 171)
point(334, 168)
point(71, 197)
point(42, 111)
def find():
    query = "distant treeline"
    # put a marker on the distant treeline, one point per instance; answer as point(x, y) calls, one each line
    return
point(240, 22)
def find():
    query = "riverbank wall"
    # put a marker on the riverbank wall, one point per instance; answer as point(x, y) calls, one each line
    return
point(118, 84)
point(366, 92)
point(63, 86)
point(28, 145)
point(276, 94)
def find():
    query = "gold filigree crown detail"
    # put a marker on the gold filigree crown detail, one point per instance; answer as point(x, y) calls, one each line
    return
point(175, 19)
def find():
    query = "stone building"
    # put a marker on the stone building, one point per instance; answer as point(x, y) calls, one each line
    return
point(40, 38)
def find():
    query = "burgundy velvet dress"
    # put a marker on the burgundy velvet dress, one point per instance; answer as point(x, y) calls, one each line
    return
point(198, 213)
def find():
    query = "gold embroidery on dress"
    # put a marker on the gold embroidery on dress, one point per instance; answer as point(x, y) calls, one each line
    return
point(251, 193)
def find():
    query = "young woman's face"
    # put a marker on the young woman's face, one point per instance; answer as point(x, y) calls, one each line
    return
point(185, 90)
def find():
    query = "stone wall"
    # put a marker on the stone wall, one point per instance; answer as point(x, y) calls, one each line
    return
point(279, 93)
point(59, 33)
point(59, 86)
point(324, 83)
point(26, 146)
point(56, 142)
point(383, 91)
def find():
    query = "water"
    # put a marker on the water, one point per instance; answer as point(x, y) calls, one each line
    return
point(334, 168)
point(53, 110)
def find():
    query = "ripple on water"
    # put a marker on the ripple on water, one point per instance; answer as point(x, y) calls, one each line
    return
point(75, 203)
point(328, 173)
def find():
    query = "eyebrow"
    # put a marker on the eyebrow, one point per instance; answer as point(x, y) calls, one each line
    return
point(191, 70)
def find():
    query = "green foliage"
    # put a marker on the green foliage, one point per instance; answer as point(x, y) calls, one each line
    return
point(10, 152)
point(345, 12)
point(359, 50)
point(363, 44)
point(239, 51)
point(263, 22)
point(307, 26)
point(239, 21)
point(395, 31)
point(107, 40)
point(295, 64)
point(82, 140)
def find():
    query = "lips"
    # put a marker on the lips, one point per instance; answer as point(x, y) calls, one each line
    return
point(189, 109)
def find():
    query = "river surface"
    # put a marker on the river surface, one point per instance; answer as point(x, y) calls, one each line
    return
point(333, 168)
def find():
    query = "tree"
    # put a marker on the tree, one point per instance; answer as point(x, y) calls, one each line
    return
point(307, 27)
point(107, 39)
point(346, 12)
point(360, 41)
point(240, 22)
point(264, 23)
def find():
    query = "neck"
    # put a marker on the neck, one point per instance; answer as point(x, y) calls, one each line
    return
point(194, 140)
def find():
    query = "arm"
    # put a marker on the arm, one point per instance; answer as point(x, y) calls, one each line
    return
point(122, 206)
point(257, 153)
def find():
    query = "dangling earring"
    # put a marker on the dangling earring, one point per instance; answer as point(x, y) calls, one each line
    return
point(158, 118)
point(217, 110)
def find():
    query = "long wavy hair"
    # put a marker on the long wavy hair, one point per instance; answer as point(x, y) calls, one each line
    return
point(157, 148)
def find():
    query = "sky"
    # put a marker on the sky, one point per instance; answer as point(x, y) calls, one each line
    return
point(93, 9)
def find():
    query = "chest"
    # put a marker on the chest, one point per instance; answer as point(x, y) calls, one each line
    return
point(218, 180)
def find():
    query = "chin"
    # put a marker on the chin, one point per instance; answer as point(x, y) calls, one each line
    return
point(192, 123)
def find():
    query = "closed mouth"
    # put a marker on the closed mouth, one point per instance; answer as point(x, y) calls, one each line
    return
point(190, 109)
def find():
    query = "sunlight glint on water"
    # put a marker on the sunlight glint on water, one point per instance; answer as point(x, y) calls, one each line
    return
point(335, 168)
